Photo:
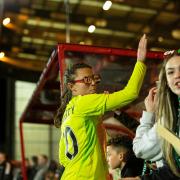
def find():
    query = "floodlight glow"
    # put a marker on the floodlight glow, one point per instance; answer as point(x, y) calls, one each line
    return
point(107, 5)
point(2, 54)
point(6, 21)
point(160, 39)
point(91, 28)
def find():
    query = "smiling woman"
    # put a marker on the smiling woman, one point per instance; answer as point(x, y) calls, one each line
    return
point(172, 74)
point(162, 107)
point(169, 104)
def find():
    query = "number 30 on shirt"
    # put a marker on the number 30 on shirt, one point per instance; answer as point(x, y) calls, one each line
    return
point(71, 143)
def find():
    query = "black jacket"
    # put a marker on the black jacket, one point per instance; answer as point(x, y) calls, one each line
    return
point(5, 167)
point(133, 167)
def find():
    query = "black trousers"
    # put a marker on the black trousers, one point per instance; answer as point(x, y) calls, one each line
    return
point(163, 173)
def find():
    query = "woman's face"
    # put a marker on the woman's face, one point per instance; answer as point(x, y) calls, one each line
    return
point(173, 74)
point(81, 88)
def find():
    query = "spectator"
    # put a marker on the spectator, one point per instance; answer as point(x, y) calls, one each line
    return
point(165, 105)
point(43, 165)
point(33, 162)
point(120, 155)
point(5, 167)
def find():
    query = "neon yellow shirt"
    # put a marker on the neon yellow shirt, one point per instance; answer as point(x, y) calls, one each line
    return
point(79, 149)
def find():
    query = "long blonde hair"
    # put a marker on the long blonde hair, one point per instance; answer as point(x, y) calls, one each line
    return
point(167, 111)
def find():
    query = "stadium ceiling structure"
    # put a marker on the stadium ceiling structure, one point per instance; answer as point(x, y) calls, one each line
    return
point(36, 26)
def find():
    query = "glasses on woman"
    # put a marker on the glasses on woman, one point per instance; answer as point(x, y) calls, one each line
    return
point(89, 79)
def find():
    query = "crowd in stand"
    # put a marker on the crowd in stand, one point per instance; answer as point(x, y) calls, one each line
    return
point(37, 168)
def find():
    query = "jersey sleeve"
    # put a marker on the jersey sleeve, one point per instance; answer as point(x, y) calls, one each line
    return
point(97, 104)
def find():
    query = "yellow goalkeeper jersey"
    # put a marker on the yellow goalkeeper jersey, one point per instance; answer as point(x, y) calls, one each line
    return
point(80, 151)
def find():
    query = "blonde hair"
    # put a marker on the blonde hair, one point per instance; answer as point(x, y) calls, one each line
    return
point(167, 110)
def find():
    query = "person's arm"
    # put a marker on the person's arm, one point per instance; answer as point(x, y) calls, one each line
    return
point(131, 91)
point(99, 103)
point(146, 144)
